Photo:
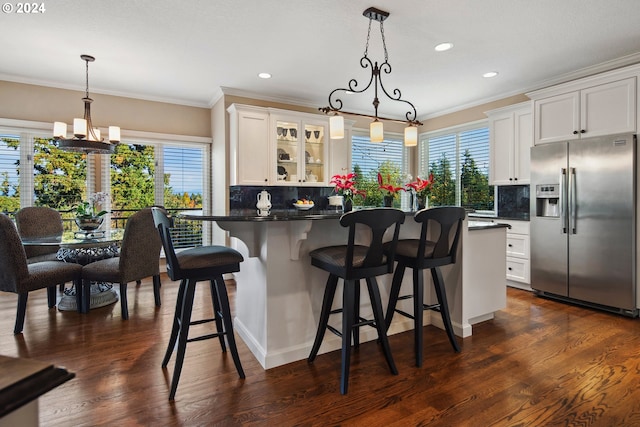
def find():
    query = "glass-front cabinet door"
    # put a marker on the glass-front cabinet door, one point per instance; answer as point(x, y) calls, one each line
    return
point(314, 153)
point(301, 151)
point(287, 155)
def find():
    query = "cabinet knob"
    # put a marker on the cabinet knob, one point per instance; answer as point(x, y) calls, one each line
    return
point(583, 131)
point(515, 179)
point(575, 132)
point(510, 179)
point(510, 269)
point(266, 180)
point(510, 245)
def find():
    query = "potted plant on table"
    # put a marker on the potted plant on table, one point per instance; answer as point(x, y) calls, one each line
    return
point(345, 189)
point(88, 217)
point(391, 190)
point(420, 190)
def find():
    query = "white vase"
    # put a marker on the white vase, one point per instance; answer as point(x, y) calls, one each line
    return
point(336, 200)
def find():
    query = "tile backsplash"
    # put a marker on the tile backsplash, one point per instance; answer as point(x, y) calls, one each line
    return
point(513, 201)
point(244, 196)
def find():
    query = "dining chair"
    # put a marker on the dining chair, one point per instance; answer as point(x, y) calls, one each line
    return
point(436, 247)
point(352, 262)
point(39, 221)
point(19, 277)
point(139, 258)
point(202, 263)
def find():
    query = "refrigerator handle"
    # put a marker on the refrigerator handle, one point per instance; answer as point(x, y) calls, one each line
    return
point(563, 199)
point(572, 201)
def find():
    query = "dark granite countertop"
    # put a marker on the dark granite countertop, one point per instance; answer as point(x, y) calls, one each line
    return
point(508, 218)
point(293, 214)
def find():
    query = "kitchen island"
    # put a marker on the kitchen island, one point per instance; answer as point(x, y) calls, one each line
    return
point(279, 293)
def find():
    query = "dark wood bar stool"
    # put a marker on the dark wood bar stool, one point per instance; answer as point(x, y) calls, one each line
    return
point(192, 266)
point(352, 262)
point(421, 254)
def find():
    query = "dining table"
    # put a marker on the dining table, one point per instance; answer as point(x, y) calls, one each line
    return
point(84, 247)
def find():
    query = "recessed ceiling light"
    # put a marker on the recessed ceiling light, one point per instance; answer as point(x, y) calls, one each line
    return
point(264, 75)
point(490, 74)
point(443, 46)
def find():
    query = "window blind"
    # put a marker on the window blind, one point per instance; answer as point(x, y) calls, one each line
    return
point(459, 160)
point(9, 177)
point(183, 169)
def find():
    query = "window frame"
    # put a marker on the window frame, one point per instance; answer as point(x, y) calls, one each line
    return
point(406, 162)
point(424, 161)
point(99, 164)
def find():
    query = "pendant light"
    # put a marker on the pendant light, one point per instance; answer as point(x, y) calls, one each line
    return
point(376, 128)
point(86, 137)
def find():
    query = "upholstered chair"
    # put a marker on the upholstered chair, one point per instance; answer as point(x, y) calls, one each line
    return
point(36, 221)
point(20, 278)
point(139, 258)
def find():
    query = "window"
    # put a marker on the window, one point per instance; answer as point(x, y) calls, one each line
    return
point(389, 156)
point(459, 162)
point(183, 177)
point(34, 172)
point(9, 173)
point(159, 174)
point(183, 184)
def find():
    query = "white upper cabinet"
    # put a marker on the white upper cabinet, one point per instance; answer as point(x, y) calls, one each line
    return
point(511, 136)
point(601, 105)
point(609, 108)
point(557, 118)
point(249, 151)
point(270, 146)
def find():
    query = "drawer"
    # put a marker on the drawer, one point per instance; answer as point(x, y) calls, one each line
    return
point(517, 227)
point(517, 245)
point(518, 270)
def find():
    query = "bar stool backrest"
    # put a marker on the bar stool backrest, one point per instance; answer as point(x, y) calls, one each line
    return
point(164, 223)
point(448, 218)
point(378, 221)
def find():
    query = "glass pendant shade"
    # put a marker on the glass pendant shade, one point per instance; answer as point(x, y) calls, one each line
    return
point(60, 130)
point(94, 135)
point(336, 127)
point(114, 134)
point(376, 131)
point(79, 128)
point(410, 136)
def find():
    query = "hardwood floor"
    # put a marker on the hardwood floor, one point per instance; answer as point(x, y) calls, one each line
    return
point(538, 363)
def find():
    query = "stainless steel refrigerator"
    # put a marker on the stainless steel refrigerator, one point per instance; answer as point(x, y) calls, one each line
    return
point(583, 222)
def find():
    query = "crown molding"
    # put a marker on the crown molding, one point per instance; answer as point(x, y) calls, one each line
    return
point(77, 88)
point(271, 98)
point(556, 80)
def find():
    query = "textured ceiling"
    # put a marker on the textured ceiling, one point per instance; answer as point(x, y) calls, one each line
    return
point(185, 52)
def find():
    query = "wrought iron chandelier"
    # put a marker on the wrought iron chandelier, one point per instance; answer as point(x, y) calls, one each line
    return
point(86, 138)
point(336, 122)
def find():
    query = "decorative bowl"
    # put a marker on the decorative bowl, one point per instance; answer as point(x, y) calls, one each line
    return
point(304, 207)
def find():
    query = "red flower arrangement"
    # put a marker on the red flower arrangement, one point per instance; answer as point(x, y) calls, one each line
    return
point(345, 186)
point(422, 187)
point(389, 187)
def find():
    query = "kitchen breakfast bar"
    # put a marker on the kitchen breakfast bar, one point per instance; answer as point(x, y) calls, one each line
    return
point(279, 293)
